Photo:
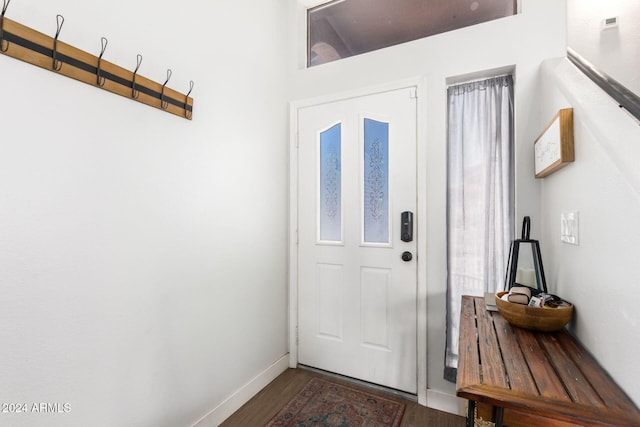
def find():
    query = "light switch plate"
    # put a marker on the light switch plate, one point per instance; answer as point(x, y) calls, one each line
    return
point(570, 227)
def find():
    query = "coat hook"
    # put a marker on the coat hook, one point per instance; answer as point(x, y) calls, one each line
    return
point(3, 47)
point(164, 104)
point(135, 93)
point(57, 64)
point(188, 114)
point(101, 80)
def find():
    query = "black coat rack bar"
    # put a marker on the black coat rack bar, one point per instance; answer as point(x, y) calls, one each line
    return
point(29, 45)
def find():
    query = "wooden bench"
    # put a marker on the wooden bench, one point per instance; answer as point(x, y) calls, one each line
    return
point(518, 377)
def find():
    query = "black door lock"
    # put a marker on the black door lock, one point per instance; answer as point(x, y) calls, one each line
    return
point(406, 226)
point(407, 256)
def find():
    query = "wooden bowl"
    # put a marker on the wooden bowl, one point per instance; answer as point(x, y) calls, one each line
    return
point(535, 318)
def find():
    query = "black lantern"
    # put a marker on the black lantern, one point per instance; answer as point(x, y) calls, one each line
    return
point(524, 267)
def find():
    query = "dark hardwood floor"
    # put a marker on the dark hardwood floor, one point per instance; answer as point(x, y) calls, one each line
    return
point(268, 402)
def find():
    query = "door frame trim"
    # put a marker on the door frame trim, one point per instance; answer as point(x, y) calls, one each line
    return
point(421, 216)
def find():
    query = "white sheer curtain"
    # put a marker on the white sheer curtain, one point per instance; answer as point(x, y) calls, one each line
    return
point(480, 191)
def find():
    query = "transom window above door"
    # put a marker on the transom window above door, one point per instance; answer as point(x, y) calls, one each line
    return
point(343, 28)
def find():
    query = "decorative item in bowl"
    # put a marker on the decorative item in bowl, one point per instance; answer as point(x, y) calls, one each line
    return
point(544, 319)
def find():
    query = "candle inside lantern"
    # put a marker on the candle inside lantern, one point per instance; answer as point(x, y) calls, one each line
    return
point(526, 277)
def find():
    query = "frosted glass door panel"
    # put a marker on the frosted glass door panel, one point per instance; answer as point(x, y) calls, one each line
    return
point(376, 182)
point(330, 191)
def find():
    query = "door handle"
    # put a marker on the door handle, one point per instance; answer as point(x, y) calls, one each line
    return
point(407, 256)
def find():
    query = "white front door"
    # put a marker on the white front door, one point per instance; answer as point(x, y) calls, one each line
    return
point(356, 291)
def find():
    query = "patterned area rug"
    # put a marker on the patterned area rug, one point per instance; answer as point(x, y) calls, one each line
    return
point(322, 403)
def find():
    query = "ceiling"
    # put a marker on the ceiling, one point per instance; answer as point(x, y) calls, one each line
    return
point(352, 27)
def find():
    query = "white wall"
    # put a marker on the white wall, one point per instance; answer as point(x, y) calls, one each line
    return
point(615, 51)
point(603, 184)
point(143, 256)
point(521, 42)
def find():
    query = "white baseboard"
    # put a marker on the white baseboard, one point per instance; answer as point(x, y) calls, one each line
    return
point(446, 403)
point(231, 404)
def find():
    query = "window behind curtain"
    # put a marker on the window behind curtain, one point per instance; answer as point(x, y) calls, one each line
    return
point(480, 193)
